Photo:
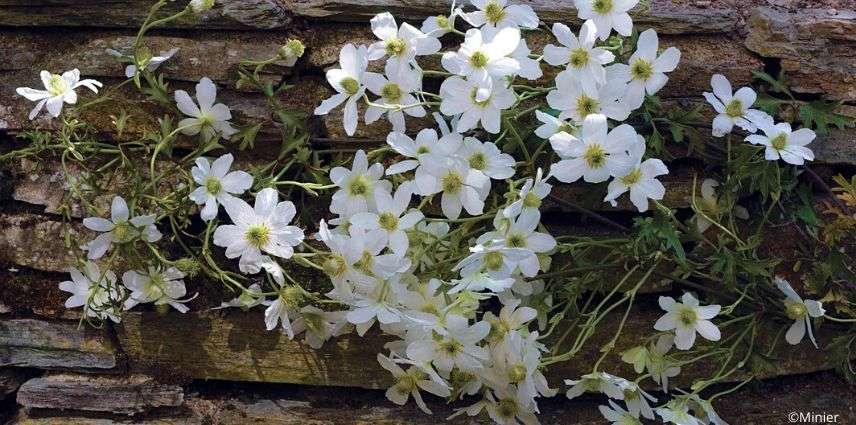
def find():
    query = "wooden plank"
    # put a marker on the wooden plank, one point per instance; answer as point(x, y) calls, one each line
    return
point(55, 345)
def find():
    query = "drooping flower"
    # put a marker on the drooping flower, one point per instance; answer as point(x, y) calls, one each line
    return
point(646, 71)
point(577, 101)
point(247, 299)
point(119, 229)
point(283, 309)
point(800, 311)
point(583, 60)
point(357, 186)
point(596, 382)
point(156, 286)
point(393, 92)
point(151, 65)
point(677, 412)
point(462, 97)
point(95, 291)
point(641, 180)
point(400, 45)
point(530, 196)
point(781, 141)
point(552, 125)
point(409, 382)
point(596, 155)
point(209, 118)
point(59, 89)
point(291, 51)
point(687, 318)
point(711, 207)
point(217, 184)
point(496, 14)
point(349, 83)
point(617, 415)
point(607, 15)
point(440, 25)
point(263, 228)
point(733, 108)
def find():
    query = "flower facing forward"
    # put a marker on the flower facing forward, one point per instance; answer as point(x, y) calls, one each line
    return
point(481, 58)
point(800, 311)
point(458, 347)
point(780, 141)
point(394, 92)
point(583, 60)
point(646, 71)
point(392, 218)
point(357, 186)
point(461, 186)
point(208, 118)
point(577, 101)
point(119, 229)
point(258, 229)
point(399, 45)
point(596, 155)
point(733, 108)
point(217, 184)
point(607, 15)
point(348, 81)
point(59, 89)
point(530, 196)
point(496, 14)
point(94, 290)
point(641, 181)
point(687, 318)
point(155, 286)
point(463, 97)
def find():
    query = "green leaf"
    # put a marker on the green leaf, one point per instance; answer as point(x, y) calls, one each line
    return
point(821, 114)
point(777, 84)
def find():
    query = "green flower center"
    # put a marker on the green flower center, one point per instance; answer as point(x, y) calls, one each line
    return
point(395, 47)
point(531, 200)
point(405, 384)
point(366, 262)
point(494, 12)
point(734, 108)
point(350, 85)
point(258, 235)
point(478, 59)
point(422, 150)
point(595, 156)
point(458, 378)
point(579, 58)
point(391, 92)
point(123, 232)
point(452, 182)
point(517, 373)
point(493, 260)
point(57, 85)
point(451, 347)
point(443, 22)
point(296, 47)
point(779, 142)
point(291, 295)
point(313, 322)
point(587, 105)
point(335, 266)
point(507, 408)
point(687, 316)
point(795, 310)
point(641, 70)
point(478, 161)
point(516, 240)
point(388, 221)
point(632, 177)
point(601, 6)
point(213, 185)
point(359, 186)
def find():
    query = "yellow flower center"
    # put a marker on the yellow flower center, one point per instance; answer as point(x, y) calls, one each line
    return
point(493, 260)
point(452, 182)
point(422, 150)
point(57, 85)
point(517, 373)
point(779, 142)
point(350, 85)
point(595, 156)
point(395, 47)
point(641, 70)
point(123, 232)
point(366, 262)
point(734, 108)
point(516, 240)
point(391, 92)
point(359, 186)
point(258, 235)
point(632, 177)
point(587, 105)
point(451, 347)
point(388, 221)
point(335, 266)
point(494, 12)
point(579, 58)
point(213, 185)
point(531, 200)
point(507, 408)
point(601, 6)
point(795, 310)
point(443, 22)
point(478, 161)
point(687, 316)
point(478, 59)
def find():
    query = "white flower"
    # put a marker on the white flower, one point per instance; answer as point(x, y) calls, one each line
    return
point(495, 259)
point(394, 91)
point(709, 205)
point(357, 186)
point(530, 68)
point(200, 6)
point(521, 234)
point(637, 399)
point(426, 143)
point(687, 318)
point(584, 61)
point(479, 281)
point(646, 70)
point(482, 60)
point(530, 196)
point(596, 382)
point(487, 159)
point(677, 411)
point(595, 156)
point(217, 184)
point(440, 25)
point(510, 408)
point(551, 125)
point(456, 348)
point(282, 309)
point(461, 186)
point(495, 14)
point(248, 298)
point(641, 180)
point(262, 228)
point(291, 51)
point(59, 89)
point(157, 286)
point(392, 218)
point(408, 383)
point(606, 15)
point(348, 83)
point(659, 365)
point(800, 311)
point(152, 64)
point(94, 290)
point(462, 97)
point(119, 229)
point(705, 406)
point(401, 45)
point(618, 416)
point(319, 325)
point(781, 142)
point(209, 118)
point(577, 101)
point(732, 108)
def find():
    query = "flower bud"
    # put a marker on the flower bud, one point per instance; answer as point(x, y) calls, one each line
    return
point(292, 49)
point(200, 6)
point(189, 266)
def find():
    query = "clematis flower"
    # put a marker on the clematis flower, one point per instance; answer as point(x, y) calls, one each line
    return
point(552, 125)
point(496, 14)
point(258, 229)
point(781, 141)
point(392, 218)
point(509, 407)
point(283, 309)
point(440, 25)
point(460, 185)
point(583, 60)
point(607, 15)
point(95, 291)
point(462, 97)
point(577, 101)
point(456, 348)
point(800, 311)
point(677, 412)
point(395, 91)
point(487, 159)
point(162, 287)
point(596, 382)
point(646, 72)
point(530, 68)
point(119, 229)
point(530, 196)
point(216, 184)
point(617, 415)
point(59, 89)
point(710, 206)
point(400, 45)
point(318, 325)
point(687, 318)
point(209, 118)
point(481, 59)
point(637, 399)
point(641, 180)
point(426, 143)
point(248, 299)
point(409, 382)
point(733, 108)
point(349, 83)
point(659, 365)
point(596, 155)
point(357, 186)
point(152, 64)
point(521, 234)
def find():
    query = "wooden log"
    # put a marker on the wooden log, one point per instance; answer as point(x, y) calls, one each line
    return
point(116, 394)
point(55, 345)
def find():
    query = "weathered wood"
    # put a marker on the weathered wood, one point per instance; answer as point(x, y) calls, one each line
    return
point(55, 345)
point(10, 380)
point(116, 394)
point(37, 241)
